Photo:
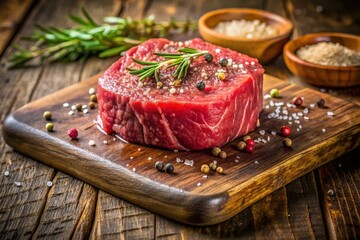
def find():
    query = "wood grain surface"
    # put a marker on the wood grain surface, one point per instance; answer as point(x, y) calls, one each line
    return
point(302, 202)
point(127, 170)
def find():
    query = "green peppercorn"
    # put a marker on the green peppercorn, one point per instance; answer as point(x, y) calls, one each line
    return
point(246, 137)
point(47, 115)
point(219, 170)
point(287, 142)
point(159, 165)
point(321, 102)
point(49, 127)
point(208, 57)
point(223, 62)
point(205, 168)
point(169, 168)
point(213, 166)
point(200, 85)
point(79, 107)
point(216, 151)
point(93, 98)
point(222, 154)
point(91, 105)
point(241, 145)
point(274, 93)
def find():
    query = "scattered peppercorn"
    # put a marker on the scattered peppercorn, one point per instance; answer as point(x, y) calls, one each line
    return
point(200, 85)
point(287, 142)
point(208, 57)
point(49, 127)
point(72, 133)
point(219, 170)
point(205, 168)
point(285, 131)
point(79, 107)
point(93, 98)
point(274, 93)
point(216, 151)
point(258, 123)
point(298, 101)
point(223, 62)
point(159, 84)
point(47, 115)
point(241, 145)
point(177, 83)
point(250, 142)
point(213, 166)
point(159, 165)
point(169, 168)
point(321, 102)
point(221, 75)
point(249, 148)
point(91, 105)
point(246, 137)
point(222, 154)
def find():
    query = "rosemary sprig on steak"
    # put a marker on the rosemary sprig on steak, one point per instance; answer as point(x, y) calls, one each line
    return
point(114, 36)
point(182, 60)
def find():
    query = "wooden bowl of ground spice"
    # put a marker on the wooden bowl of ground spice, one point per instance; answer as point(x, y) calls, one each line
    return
point(325, 59)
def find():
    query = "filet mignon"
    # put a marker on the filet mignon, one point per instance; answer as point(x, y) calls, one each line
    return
point(189, 119)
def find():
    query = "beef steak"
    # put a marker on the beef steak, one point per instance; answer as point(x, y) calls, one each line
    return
point(186, 117)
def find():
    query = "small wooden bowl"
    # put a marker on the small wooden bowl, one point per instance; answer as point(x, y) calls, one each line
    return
point(264, 49)
point(320, 75)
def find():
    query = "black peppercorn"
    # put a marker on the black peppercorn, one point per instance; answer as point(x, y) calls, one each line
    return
point(208, 57)
point(169, 168)
point(200, 85)
point(223, 62)
point(321, 102)
point(159, 165)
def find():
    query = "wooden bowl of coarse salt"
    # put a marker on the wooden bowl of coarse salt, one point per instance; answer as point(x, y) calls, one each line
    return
point(325, 59)
point(257, 33)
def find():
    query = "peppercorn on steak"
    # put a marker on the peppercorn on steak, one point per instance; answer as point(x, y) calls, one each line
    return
point(180, 95)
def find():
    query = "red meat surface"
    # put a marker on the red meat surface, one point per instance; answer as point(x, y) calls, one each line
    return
point(188, 119)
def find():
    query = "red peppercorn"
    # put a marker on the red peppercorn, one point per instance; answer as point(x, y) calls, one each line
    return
point(298, 101)
point(249, 148)
point(285, 131)
point(250, 142)
point(72, 133)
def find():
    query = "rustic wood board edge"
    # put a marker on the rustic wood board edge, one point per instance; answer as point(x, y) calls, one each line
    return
point(187, 207)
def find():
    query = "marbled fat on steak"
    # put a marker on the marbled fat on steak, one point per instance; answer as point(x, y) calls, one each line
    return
point(189, 118)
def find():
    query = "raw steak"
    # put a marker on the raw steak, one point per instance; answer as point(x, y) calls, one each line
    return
point(189, 118)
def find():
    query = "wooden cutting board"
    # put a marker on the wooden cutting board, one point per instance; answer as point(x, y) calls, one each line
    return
point(188, 195)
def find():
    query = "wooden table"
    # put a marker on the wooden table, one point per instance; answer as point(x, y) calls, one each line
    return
point(323, 204)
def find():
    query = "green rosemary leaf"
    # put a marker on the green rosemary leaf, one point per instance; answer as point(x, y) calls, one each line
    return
point(79, 20)
point(87, 16)
point(112, 51)
point(143, 62)
point(167, 54)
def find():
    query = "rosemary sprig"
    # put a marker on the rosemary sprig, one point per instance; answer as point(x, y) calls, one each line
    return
point(182, 60)
point(114, 36)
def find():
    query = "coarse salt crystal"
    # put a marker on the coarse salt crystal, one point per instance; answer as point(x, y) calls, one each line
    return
point(66, 105)
point(92, 91)
point(84, 107)
point(178, 160)
point(243, 71)
point(306, 118)
point(273, 133)
point(198, 184)
point(134, 169)
point(6, 173)
point(256, 162)
point(86, 111)
point(252, 63)
point(92, 143)
point(323, 130)
point(263, 140)
point(262, 132)
point(181, 90)
point(241, 65)
point(189, 162)
point(306, 110)
point(217, 50)
point(172, 90)
point(18, 184)
point(175, 150)
point(268, 138)
point(312, 105)
point(139, 149)
point(330, 114)
point(73, 107)
point(127, 165)
point(70, 113)
point(49, 183)
point(290, 123)
point(131, 158)
point(105, 142)
point(205, 176)
point(267, 107)
point(230, 61)
point(323, 90)
point(235, 66)
point(246, 63)
point(267, 96)
point(149, 158)
point(300, 114)
point(300, 126)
